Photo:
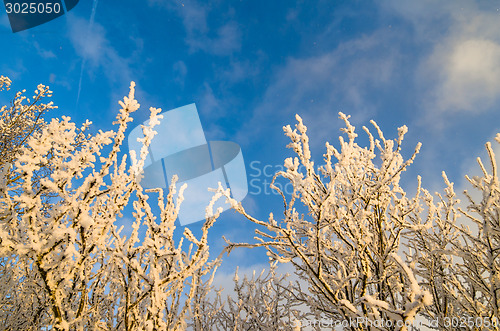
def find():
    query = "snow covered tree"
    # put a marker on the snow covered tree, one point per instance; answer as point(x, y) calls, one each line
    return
point(20, 120)
point(477, 284)
point(263, 302)
point(366, 252)
point(432, 252)
point(345, 249)
point(460, 263)
point(64, 264)
point(363, 250)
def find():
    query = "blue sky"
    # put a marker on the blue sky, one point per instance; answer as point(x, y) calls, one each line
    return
point(250, 66)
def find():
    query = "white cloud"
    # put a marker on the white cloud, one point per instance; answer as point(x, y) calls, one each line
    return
point(46, 54)
point(469, 75)
point(89, 43)
point(456, 78)
point(461, 72)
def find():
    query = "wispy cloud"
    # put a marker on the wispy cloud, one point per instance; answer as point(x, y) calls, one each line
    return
point(4, 23)
point(211, 104)
point(227, 40)
point(84, 59)
point(469, 75)
point(180, 71)
point(319, 86)
point(217, 39)
point(456, 81)
point(460, 72)
point(99, 56)
point(45, 54)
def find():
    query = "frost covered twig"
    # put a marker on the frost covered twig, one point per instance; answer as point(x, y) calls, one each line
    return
point(64, 264)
